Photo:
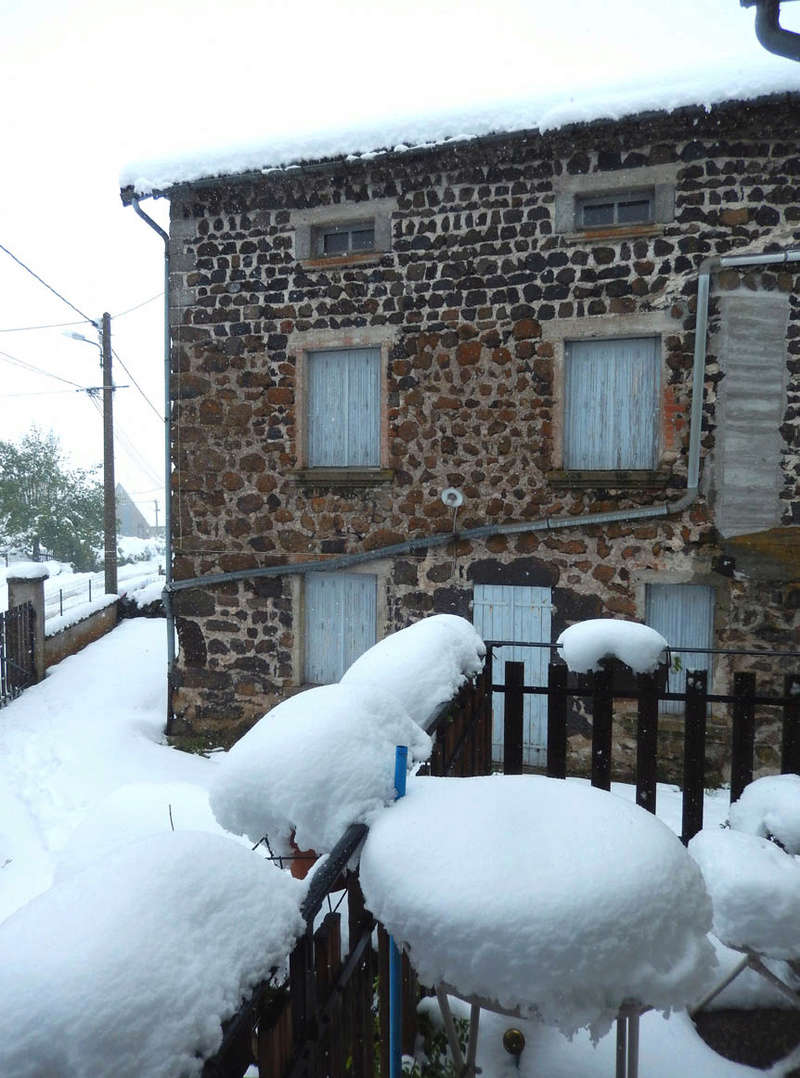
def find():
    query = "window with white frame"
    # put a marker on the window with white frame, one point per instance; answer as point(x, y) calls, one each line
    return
point(340, 622)
point(611, 413)
point(684, 615)
point(343, 408)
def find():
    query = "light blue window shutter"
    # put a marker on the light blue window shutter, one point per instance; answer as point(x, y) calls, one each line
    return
point(684, 615)
point(611, 404)
point(340, 622)
point(344, 414)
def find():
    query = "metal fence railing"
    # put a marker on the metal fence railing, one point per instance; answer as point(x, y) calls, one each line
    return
point(17, 668)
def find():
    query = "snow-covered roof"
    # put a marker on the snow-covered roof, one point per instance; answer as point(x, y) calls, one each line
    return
point(546, 111)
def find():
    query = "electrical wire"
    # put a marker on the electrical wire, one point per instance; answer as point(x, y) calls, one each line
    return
point(144, 303)
point(37, 370)
point(50, 325)
point(42, 393)
point(50, 288)
point(159, 416)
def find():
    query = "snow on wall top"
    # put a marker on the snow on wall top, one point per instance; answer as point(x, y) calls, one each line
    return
point(128, 968)
point(27, 570)
point(544, 112)
point(539, 893)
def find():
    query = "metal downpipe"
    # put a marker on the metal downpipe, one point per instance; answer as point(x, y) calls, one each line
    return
point(167, 593)
point(771, 35)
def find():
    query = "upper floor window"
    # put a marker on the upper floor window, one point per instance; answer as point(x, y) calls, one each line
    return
point(621, 208)
point(611, 413)
point(344, 408)
point(344, 239)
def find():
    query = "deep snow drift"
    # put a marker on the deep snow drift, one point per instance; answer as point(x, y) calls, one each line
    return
point(127, 969)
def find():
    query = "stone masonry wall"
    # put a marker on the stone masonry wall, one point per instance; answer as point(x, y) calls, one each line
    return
point(473, 300)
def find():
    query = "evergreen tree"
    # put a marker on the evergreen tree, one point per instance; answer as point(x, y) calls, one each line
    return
point(45, 505)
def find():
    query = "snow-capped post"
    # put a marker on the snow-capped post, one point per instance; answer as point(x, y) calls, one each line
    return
point(26, 585)
point(395, 960)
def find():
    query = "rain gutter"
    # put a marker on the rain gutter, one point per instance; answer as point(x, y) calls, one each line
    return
point(771, 35)
point(167, 592)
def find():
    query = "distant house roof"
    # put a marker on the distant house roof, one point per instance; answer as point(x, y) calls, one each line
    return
point(545, 112)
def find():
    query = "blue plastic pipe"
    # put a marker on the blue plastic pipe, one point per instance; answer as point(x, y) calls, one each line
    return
point(395, 961)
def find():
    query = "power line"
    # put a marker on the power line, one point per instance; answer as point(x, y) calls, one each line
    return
point(144, 303)
point(42, 393)
point(50, 325)
point(116, 356)
point(36, 370)
point(50, 288)
point(64, 325)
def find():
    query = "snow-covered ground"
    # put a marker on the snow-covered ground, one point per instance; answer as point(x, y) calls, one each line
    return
point(85, 773)
point(65, 591)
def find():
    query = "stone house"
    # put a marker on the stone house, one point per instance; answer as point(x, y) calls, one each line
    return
point(459, 377)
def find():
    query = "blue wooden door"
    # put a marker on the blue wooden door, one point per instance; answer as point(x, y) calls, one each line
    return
point(506, 612)
point(684, 615)
point(340, 616)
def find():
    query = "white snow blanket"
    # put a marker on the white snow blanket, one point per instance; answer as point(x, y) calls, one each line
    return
point(638, 646)
point(755, 889)
point(27, 570)
point(423, 665)
point(317, 762)
point(770, 807)
point(127, 970)
point(540, 894)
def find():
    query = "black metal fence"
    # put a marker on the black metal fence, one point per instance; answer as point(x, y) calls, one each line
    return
point(329, 1016)
point(600, 691)
point(17, 668)
point(328, 1013)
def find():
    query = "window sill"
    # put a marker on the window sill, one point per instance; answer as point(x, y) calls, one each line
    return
point(365, 258)
point(623, 479)
point(614, 232)
point(343, 477)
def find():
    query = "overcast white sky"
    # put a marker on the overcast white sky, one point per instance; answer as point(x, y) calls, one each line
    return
point(87, 87)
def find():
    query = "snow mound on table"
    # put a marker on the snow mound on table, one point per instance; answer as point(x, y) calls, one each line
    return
point(128, 969)
point(316, 763)
point(423, 665)
point(540, 894)
point(132, 812)
point(755, 890)
point(638, 646)
point(770, 807)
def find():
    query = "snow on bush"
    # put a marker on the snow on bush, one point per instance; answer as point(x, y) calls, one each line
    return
point(540, 894)
point(755, 889)
point(127, 970)
point(638, 646)
point(770, 807)
point(423, 665)
point(317, 762)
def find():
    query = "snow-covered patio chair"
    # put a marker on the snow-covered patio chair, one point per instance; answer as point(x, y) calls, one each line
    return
point(752, 872)
point(535, 896)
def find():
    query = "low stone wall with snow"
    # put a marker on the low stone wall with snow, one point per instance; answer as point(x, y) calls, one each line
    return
point(68, 639)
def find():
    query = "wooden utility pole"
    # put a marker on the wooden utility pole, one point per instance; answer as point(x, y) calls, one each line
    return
point(109, 496)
